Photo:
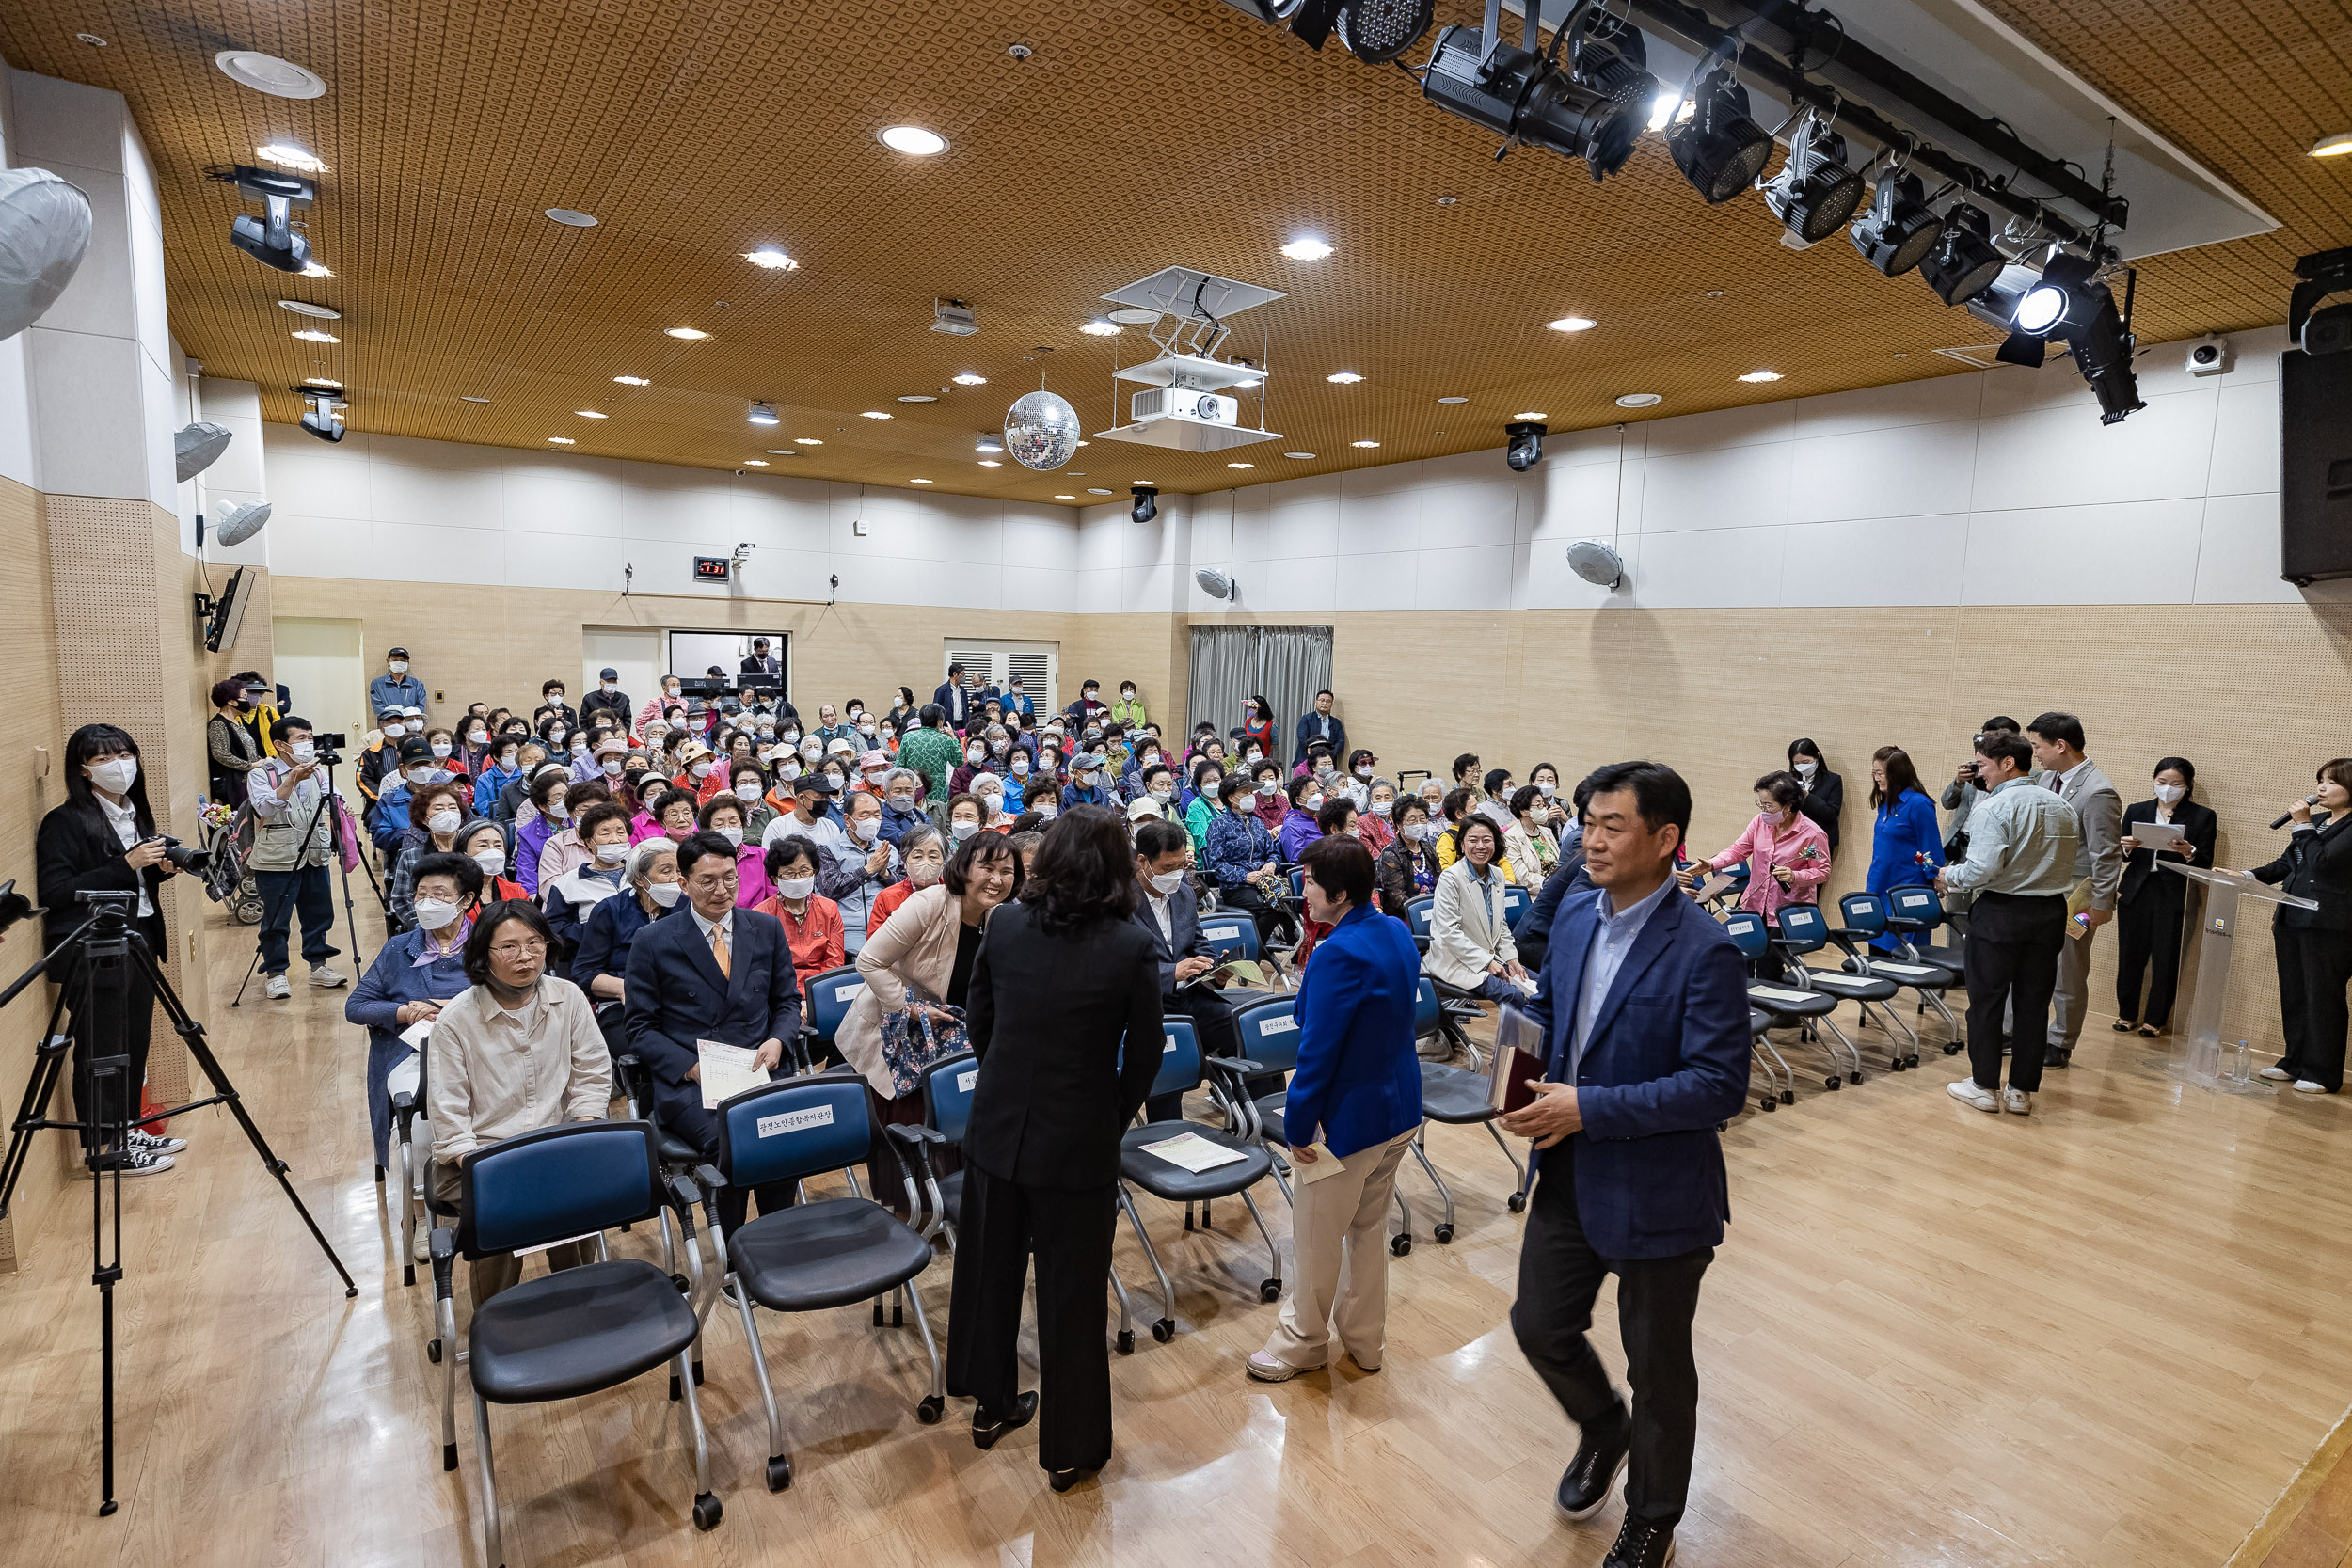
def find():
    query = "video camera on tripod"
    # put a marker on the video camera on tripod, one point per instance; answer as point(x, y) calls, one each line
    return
point(331, 744)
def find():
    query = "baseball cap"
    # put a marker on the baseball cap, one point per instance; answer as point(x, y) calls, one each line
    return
point(416, 749)
point(608, 673)
point(812, 784)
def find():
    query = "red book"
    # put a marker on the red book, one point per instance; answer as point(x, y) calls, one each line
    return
point(1517, 1064)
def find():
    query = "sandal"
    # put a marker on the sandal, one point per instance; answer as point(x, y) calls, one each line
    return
point(2148, 1031)
point(2122, 1025)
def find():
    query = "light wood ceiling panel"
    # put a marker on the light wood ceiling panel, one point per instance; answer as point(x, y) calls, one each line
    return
point(1141, 133)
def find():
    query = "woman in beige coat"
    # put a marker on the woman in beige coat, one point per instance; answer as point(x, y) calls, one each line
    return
point(1470, 938)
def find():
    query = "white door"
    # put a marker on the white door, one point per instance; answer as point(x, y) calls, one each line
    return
point(637, 655)
point(320, 664)
point(1038, 664)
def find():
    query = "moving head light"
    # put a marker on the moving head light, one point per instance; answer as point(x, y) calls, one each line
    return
point(270, 240)
point(1527, 444)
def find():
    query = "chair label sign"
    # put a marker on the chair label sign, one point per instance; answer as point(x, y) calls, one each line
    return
point(795, 1121)
point(847, 992)
point(1169, 1046)
point(966, 1078)
point(1279, 1026)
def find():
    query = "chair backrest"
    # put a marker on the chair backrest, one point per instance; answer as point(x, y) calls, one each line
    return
point(794, 1128)
point(558, 1183)
point(1417, 912)
point(1298, 882)
point(1179, 1057)
point(1747, 931)
point(1428, 1017)
point(947, 1094)
point(1229, 929)
point(1515, 905)
point(1864, 911)
point(1913, 907)
point(828, 998)
point(1269, 1033)
point(1802, 927)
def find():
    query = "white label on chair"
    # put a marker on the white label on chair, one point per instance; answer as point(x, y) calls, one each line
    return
point(795, 1121)
point(543, 1246)
point(847, 992)
point(965, 1080)
point(1284, 1025)
point(1170, 1047)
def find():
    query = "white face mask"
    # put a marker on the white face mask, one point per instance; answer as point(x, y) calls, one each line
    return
point(434, 914)
point(1085, 778)
point(609, 685)
point(902, 802)
point(1804, 769)
point(611, 768)
point(974, 753)
point(2170, 793)
point(115, 775)
point(865, 829)
point(558, 810)
point(440, 748)
point(1382, 807)
point(665, 893)
point(477, 738)
point(1364, 770)
point(301, 751)
point(419, 775)
point(611, 854)
point(747, 792)
point(1020, 765)
point(992, 802)
point(733, 835)
point(395, 730)
point(810, 749)
point(580, 746)
point(788, 771)
point(964, 830)
point(700, 770)
point(1310, 801)
point(493, 862)
point(1166, 882)
point(444, 821)
point(400, 667)
point(1422, 832)
point(924, 873)
point(1162, 795)
point(671, 690)
point(867, 730)
point(1048, 810)
point(796, 887)
point(1548, 788)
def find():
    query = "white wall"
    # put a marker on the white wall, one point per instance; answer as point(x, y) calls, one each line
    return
point(1996, 487)
point(16, 392)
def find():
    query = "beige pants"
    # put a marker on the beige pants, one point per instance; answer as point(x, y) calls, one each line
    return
point(502, 1270)
point(1340, 1261)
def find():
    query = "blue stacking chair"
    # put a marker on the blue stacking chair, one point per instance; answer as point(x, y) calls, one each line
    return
point(1866, 917)
point(1298, 882)
point(1803, 928)
point(1780, 1081)
point(578, 1331)
point(1457, 1097)
point(1229, 929)
point(829, 996)
point(1515, 903)
point(1269, 1037)
point(1454, 1003)
point(946, 1087)
point(1790, 1003)
point(820, 1254)
point(1182, 1068)
point(1417, 915)
point(1914, 911)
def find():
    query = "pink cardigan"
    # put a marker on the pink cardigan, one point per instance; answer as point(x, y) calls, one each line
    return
point(1798, 844)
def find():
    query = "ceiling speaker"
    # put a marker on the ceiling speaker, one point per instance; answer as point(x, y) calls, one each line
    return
point(44, 230)
point(241, 522)
point(196, 448)
point(1215, 584)
point(1596, 563)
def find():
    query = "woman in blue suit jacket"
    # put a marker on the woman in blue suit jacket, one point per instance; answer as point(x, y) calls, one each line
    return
point(1904, 829)
point(413, 974)
point(1355, 1093)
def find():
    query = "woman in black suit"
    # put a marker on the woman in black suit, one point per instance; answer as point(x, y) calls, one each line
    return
point(2314, 947)
point(103, 839)
point(1824, 791)
point(2149, 903)
point(1062, 977)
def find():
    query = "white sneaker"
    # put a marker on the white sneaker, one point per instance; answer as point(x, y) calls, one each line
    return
point(275, 988)
point(2305, 1086)
point(151, 1143)
point(326, 978)
point(1965, 1091)
point(2017, 1103)
point(1266, 1368)
point(421, 1249)
point(2276, 1074)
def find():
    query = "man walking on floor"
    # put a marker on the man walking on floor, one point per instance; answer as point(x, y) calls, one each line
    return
point(2058, 747)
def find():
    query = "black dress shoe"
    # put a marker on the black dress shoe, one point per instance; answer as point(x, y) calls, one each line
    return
point(986, 1428)
point(1064, 1479)
point(1599, 1460)
point(1641, 1547)
point(2058, 1056)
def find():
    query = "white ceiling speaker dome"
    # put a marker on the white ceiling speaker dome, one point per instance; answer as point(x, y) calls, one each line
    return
point(1596, 563)
point(1215, 584)
point(241, 522)
point(44, 230)
point(197, 447)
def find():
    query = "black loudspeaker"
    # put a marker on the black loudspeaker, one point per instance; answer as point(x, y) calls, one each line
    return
point(2314, 466)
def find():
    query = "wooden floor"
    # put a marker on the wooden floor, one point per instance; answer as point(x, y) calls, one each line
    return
point(2110, 1334)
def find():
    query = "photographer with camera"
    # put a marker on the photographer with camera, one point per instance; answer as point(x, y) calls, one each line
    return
point(294, 835)
point(103, 839)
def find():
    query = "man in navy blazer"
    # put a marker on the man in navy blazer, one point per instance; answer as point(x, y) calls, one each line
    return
point(708, 970)
point(1182, 954)
point(1644, 1018)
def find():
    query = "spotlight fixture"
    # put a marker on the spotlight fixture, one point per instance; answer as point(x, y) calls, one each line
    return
point(270, 239)
point(324, 417)
point(1146, 502)
point(913, 140)
point(954, 318)
point(632, 381)
point(290, 157)
point(685, 334)
point(1815, 193)
point(1898, 231)
point(768, 256)
point(1719, 149)
point(1593, 110)
point(1527, 444)
point(1307, 249)
point(988, 441)
point(1573, 324)
point(762, 414)
point(1377, 31)
point(1961, 264)
point(2070, 300)
point(968, 379)
point(1098, 327)
point(2318, 329)
point(1344, 378)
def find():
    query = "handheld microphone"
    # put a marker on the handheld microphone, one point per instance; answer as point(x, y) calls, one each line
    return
point(2308, 799)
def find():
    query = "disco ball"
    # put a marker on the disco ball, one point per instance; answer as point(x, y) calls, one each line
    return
point(1041, 430)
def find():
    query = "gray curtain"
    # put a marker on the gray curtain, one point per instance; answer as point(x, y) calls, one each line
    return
point(1285, 665)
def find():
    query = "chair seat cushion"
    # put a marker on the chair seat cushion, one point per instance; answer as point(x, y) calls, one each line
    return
point(1921, 977)
point(1811, 1006)
point(1852, 986)
point(813, 1256)
point(951, 1195)
point(577, 1331)
point(1452, 1095)
point(1758, 1021)
point(675, 1151)
point(1270, 1110)
point(1952, 959)
point(1164, 1178)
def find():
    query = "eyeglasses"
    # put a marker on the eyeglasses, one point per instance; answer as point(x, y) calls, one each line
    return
point(527, 947)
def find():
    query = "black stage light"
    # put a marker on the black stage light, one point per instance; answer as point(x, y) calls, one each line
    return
point(1961, 264)
point(1147, 503)
point(1815, 193)
point(1996, 304)
point(270, 240)
point(1613, 59)
point(1527, 444)
point(1720, 150)
point(2072, 301)
point(1377, 31)
point(1267, 10)
point(1525, 97)
point(1900, 230)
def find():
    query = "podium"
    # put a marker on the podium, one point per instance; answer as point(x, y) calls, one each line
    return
point(2203, 1065)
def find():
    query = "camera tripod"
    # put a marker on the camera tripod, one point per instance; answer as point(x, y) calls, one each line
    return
point(270, 914)
point(97, 959)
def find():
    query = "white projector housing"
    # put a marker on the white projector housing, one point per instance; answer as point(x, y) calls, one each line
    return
point(1191, 401)
point(1172, 402)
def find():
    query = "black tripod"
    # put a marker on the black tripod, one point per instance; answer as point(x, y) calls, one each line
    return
point(97, 959)
point(270, 914)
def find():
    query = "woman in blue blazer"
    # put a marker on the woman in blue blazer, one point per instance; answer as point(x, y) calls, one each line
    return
point(1904, 830)
point(1355, 1099)
point(414, 972)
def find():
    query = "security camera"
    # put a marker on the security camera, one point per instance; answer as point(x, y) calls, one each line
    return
point(1147, 504)
point(1527, 444)
point(2208, 355)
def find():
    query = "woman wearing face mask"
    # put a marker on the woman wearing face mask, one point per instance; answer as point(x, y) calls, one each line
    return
point(657, 705)
point(703, 775)
point(902, 708)
point(103, 838)
point(1526, 842)
point(1361, 766)
point(1128, 710)
point(989, 790)
point(812, 922)
point(676, 811)
point(415, 972)
point(1205, 800)
point(2313, 946)
point(550, 796)
point(473, 745)
point(228, 744)
point(649, 890)
point(1298, 823)
point(565, 849)
point(1824, 791)
point(966, 818)
point(975, 760)
point(484, 841)
point(922, 861)
point(1377, 828)
point(1267, 798)
point(1556, 817)
point(1787, 852)
point(436, 813)
point(749, 787)
point(1257, 726)
point(569, 897)
point(1906, 846)
point(1245, 861)
point(1085, 786)
point(2150, 902)
point(724, 816)
point(1406, 869)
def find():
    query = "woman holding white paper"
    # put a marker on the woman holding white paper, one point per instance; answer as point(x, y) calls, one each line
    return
point(1354, 1104)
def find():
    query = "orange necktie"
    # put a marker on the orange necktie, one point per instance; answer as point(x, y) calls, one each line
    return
point(719, 950)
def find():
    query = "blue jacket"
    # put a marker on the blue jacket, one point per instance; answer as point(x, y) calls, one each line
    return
point(1072, 796)
point(1238, 844)
point(395, 979)
point(1903, 830)
point(489, 786)
point(676, 996)
point(895, 822)
point(1358, 1079)
point(1311, 727)
point(388, 691)
point(604, 937)
point(1668, 1060)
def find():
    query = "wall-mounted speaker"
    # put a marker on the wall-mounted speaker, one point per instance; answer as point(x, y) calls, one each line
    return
point(2314, 466)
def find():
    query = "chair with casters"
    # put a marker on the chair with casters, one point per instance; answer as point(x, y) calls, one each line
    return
point(412, 1135)
point(1805, 929)
point(1914, 911)
point(817, 1255)
point(582, 1330)
point(1791, 1006)
point(1269, 1037)
point(1780, 1079)
point(829, 996)
point(1457, 1097)
point(945, 1088)
point(1864, 915)
point(1454, 1003)
point(1183, 1068)
point(1235, 930)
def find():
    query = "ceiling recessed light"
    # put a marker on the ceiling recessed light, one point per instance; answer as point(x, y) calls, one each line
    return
point(875, 414)
point(806, 441)
point(290, 157)
point(1453, 400)
point(1640, 400)
point(762, 414)
point(562, 441)
point(688, 334)
point(632, 381)
point(1086, 443)
point(2332, 147)
point(1532, 414)
point(1134, 315)
point(1307, 247)
point(774, 260)
point(1098, 327)
point(1301, 456)
point(90, 39)
point(968, 379)
point(572, 217)
point(990, 463)
point(589, 414)
point(1096, 490)
point(916, 397)
point(1241, 464)
point(913, 140)
point(1345, 378)
point(469, 398)
point(1573, 324)
point(918, 481)
point(1065, 497)
point(321, 381)
point(314, 270)
point(268, 73)
point(779, 451)
point(1762, 375)
point(755, 462)
point(304, 308)
point(1367, 443)
point(311, 335)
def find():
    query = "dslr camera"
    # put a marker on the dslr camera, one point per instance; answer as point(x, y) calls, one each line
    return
point(182, 858)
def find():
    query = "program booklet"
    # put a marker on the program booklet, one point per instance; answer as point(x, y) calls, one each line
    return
point(1519, 1061)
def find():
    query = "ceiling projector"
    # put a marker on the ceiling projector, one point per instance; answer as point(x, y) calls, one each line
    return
point(1191, 398)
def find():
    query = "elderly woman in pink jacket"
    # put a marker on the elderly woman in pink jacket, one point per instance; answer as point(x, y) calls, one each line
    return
point(1786, 852)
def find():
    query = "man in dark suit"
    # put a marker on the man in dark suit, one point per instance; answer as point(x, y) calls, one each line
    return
point(708, 970)
point(1321, 725)
point(1644, 1018)
point(1170, 913)
point(762, 662)
point(955, 699)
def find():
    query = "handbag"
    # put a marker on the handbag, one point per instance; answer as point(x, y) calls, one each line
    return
point(910, 1044)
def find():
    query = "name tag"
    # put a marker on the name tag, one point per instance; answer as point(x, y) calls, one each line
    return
point(1169, 1046)
point(847, 992)
point(1279, 1026)
point(795, 1121)
point(965, 1080)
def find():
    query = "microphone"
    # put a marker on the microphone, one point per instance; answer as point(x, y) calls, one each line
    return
point(2308, 799)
